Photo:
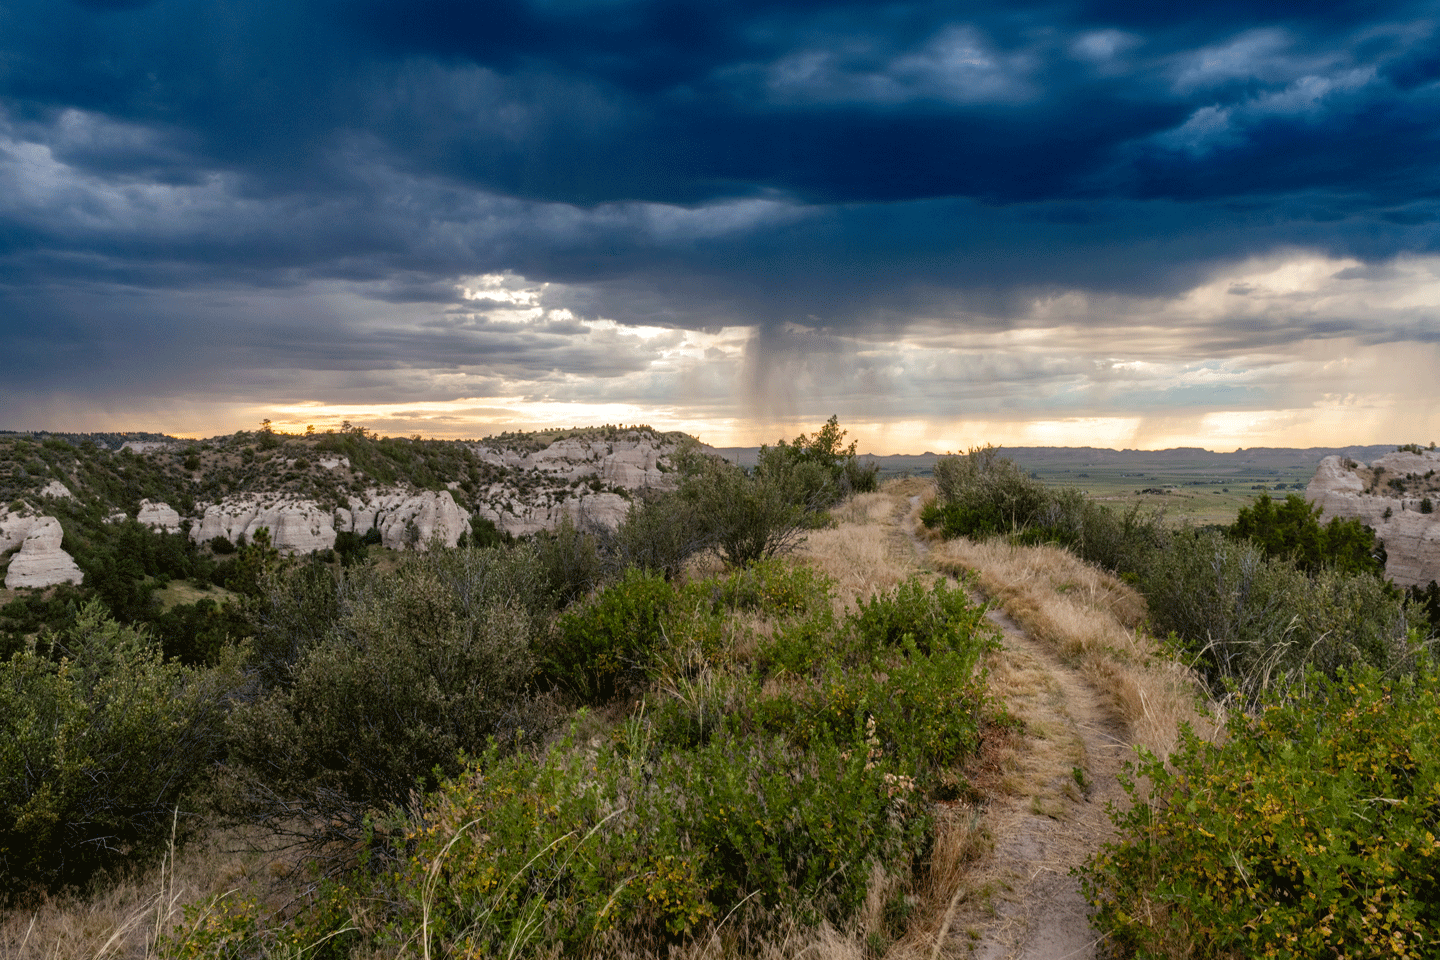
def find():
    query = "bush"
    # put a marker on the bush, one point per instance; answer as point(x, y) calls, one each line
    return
point(420, 665)
point(982, 494)
point(660, 533)
point(736, 789)
point(1310, 831)
point(1253, 622)
point(607, 647)
point(571, 559)
point(826, 471)
point(1292, 531)
point(747, 519)
point(940, 618)
point(350, 547)
point(98, 751)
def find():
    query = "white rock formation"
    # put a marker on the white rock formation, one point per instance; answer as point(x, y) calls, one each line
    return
point(295, 525)
point(14, 527)
point(518, 517)
point(57, 489)
point(632, 460)
point(40, 562)
point(332, 462)
point(159, 515)
point(635, 460)
point(1411, 538)
point(405, 520)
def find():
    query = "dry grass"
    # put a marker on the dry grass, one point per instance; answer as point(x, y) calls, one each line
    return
point(867, 508)
point(1095, 622)
point(126, 920)
point(867, 551)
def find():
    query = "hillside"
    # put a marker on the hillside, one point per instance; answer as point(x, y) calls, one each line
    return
point(305, 490)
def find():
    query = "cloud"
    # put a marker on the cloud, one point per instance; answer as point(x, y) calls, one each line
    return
point(939, 206)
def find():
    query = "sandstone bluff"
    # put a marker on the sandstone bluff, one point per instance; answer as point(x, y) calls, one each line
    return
point(1391, 495)
point(305, 491)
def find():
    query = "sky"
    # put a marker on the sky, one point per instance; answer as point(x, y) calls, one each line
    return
point(1102, 224)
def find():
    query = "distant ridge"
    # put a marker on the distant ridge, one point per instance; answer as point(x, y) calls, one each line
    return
point(922, 463)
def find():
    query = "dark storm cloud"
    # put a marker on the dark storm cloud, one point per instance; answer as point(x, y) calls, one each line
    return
point(195, 179)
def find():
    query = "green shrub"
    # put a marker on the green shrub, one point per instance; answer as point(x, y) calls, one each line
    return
point(739, 788)
point(938, 618)
point(1310, 831)
point(613, 843)
point(774, 588)
point(1291, 530)
point(987, 492)
point(607, 646)
point(1252, 623)
point(421, 664)
point(818, 467)
point(350, 547)
point(98, 751)
point(750, 518)
point(1425, 602)
point(295, 611)
point(572, 560)
point(660, 533)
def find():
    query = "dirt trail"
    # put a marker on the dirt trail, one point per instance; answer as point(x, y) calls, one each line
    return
point(1049, 815)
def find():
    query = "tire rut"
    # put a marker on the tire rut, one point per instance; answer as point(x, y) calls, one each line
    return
point(1049, 815)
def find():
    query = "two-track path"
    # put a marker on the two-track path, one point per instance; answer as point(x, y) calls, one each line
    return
point(1049, 814)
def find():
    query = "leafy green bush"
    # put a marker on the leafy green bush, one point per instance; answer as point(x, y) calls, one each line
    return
point(420, 665)
point(1310, 831)
point(1425, 601)
point(660, 533)
point(983, 493)
point(607, 646)
point(819, 467)
point(773, 588)
point(1253, 622)
point(572, 560)
point(938, 618)
point(739, 788)
point(748, 518)
point(98, 750)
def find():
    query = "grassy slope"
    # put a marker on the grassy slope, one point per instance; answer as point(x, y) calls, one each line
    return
point(1086, 616)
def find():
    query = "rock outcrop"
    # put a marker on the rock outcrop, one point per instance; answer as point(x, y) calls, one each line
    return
point(159, 515)
point(520, 517)
point(40, 561)
point(1411, 538)
point(405, 520)
point(579, 477)
point(633, 461)
point(58, 490)
point(294, 525)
